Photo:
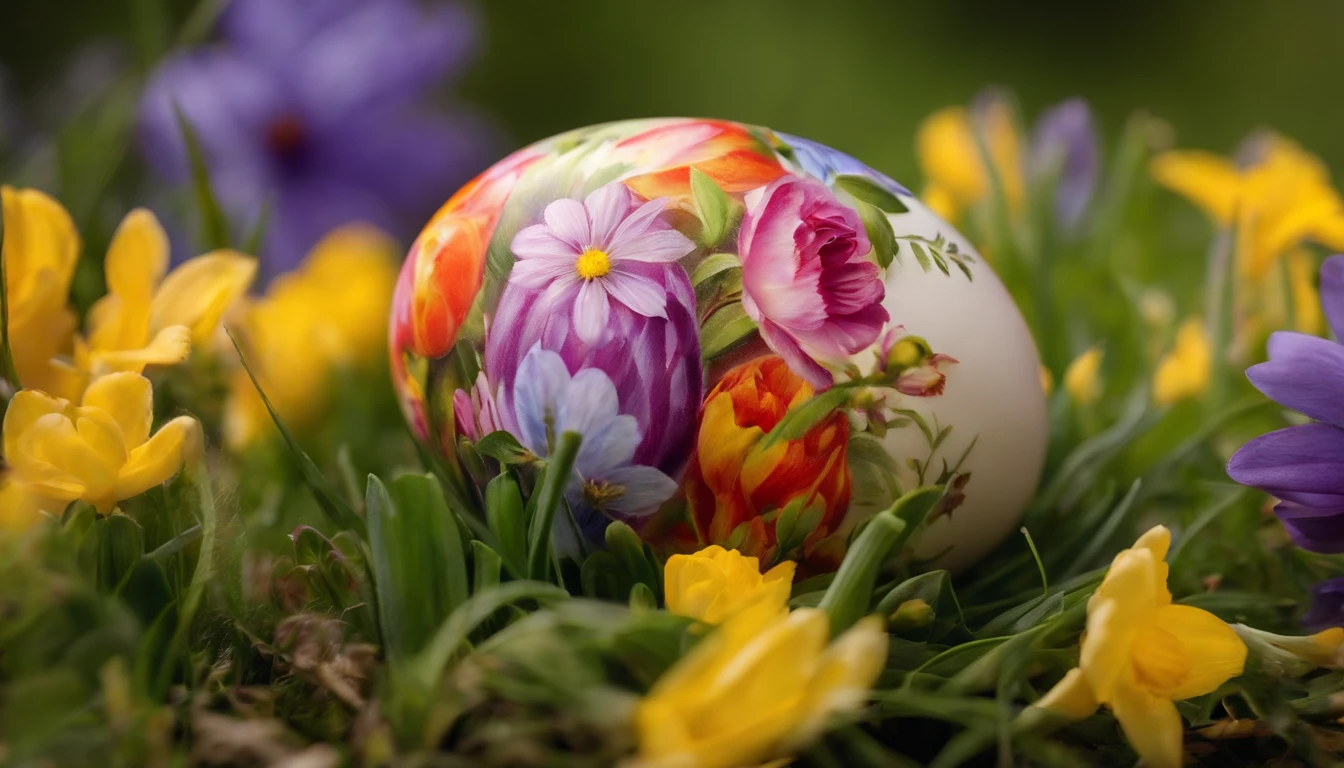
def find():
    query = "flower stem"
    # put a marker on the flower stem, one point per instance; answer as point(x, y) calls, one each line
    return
point(550, 494)
point(849, 595)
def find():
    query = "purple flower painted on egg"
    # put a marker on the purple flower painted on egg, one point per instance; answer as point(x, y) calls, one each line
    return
point(548, 401)
point(806, 277)
point(587, 255)
point(1303, 465)
point(315, 107)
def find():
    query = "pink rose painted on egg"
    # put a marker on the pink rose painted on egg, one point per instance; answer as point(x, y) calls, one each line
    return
point(806, 278)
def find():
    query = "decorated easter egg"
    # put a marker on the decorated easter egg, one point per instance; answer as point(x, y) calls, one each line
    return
point(760, 342)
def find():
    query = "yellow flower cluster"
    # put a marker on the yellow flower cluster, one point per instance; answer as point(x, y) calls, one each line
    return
point(329, 314)
point(1184, 371)
point(1283, 198)
point(761, 686)
point(952, 161)
point(146, 318)
point(1141, 653)
point(100, 451)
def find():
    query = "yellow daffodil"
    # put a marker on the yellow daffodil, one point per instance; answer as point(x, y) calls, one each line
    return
point(952, 162)
point(1185, 370)
point(1141, 653)
point(40, 250)
point(1082, 379)
point(100, 451)
point(759, 688)
point(716, 583)
point(329, 314)
point(147, 318)
point(1282, 199)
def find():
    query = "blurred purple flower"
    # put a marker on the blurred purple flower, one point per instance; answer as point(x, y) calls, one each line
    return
point(314, 106)
point(1327, 606)
point(1065, 137)
point(1303, 465)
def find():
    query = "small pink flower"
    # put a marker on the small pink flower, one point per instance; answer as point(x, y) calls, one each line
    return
point(912, 363)
point(609, 247)
point(806, 278)
point(476, 414)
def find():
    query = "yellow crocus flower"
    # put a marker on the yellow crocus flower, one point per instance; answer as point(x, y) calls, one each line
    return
point(330, 313)
point(40, 250)
point(759, 688)
point(1283, 199)
point(1185, 370)
point(716, 583)
point(147, 318)
point(1141, 653)
point(955, 174)
point(1082, 379)
point(100, 451)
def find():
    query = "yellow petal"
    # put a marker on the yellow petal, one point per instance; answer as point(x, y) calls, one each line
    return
point(169, 346)
point(1207, 180)
point(198, 292)
point(1184, 371)
point(129, 399)
point(40, 250)
point(1117, 610)
point(101, 433)
point(950, 158)
point(137, 258)
point(158, 459)
point(26, 407)
point(1156, 540)
point(55, 458)
point(1214, 651)
point(1082, 378)
point(20, 507)
point(1071, 697)
point(1151, 724)
point(846, 674)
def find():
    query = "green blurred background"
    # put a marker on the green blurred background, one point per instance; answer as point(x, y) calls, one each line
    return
point(858, 75)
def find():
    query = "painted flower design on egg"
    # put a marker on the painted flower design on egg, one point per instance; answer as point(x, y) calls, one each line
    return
point(677, 292)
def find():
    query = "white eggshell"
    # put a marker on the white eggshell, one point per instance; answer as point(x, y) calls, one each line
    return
point(993, 393)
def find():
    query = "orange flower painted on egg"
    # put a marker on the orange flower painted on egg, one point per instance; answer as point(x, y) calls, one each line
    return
point(726, 152)
point(446, 264)
point(773, 502)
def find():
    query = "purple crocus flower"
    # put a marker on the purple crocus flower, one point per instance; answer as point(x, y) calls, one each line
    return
point(654, 362)
point(314, 107)
point(825, 163)
point(1327, 606)
point(1303, 465)
point(548, 401)
point(607, 248)
point(1066, 137)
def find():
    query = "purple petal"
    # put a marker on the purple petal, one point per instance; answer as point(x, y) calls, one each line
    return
point(654, 247)
point(645, 489)
point(1308, 458)
point(569, 222)
point(542, 272)
point(1315, 530)
point(371, 57)
point(541, 386)
point(591, 310)
point(1304, 373)
point(1332, 294)
point(227, 101)
point(413, 159)
point(636, 292)
point(636, 224)
point(540, 242)
point(1327, 605)
point(607, 206)
point(1065, 134)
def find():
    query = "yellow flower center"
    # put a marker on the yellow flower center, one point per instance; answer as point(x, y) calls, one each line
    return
point(1160, 660)
point(592, 263)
